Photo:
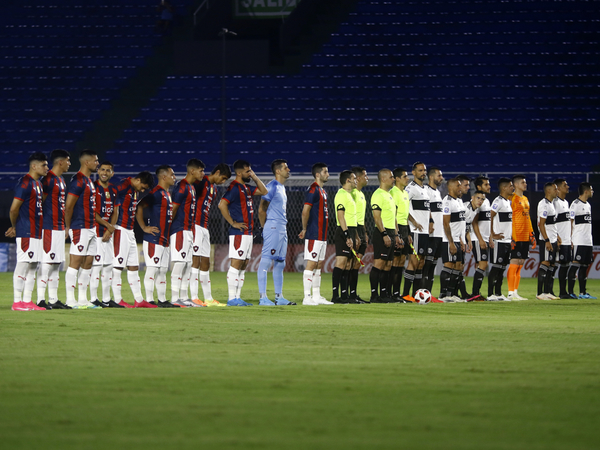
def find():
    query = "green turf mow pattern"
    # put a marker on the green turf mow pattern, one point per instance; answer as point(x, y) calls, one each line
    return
point(521, 375)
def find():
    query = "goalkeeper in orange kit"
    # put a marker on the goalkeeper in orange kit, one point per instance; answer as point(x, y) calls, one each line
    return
point(522, 236)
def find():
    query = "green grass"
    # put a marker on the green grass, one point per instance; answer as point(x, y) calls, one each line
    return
point(522, 375)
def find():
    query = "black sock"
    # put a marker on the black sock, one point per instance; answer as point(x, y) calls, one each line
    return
point(495, 273)
point(374, 279)
point(445, 281)
point(562, 278)
point(583, 279)
point(344, 283)
point(353, 282)
point(398, 282)
point(453, 284)
point(394, 283)
point(336, 278)
point(409, 276)
point(417, 284)
point(499, 280)
point(478, 281)
point(383, 283)
point(426, 280)
point(389, 287)
point(549, 283)
point(572, 276)
point(462, 287)
point(541, 284)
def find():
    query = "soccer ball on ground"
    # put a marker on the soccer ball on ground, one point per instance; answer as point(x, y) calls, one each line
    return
point(422, 296)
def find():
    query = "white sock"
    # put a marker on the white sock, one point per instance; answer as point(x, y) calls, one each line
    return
point(205, 283)
point(43, 272)
point(29, 281)
point(316, 284)
point(185, 282)
point(116, 284)
point(307, 281)
point(194, 283)
point(19, 276)
point(232, 282)
point(176, 275)
point(83, 281)
point(71, 283)
point(53, 280)
point(106, 277)
point(95, 282)
point(161, 284)
point(238, 293)
point(149, 281)
point(136, 286)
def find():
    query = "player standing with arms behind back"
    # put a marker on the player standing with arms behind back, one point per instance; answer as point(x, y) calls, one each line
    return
point(362, 179)
point(500, 239)
point(563, 228)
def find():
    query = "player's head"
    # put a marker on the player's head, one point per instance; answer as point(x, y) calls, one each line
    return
point(60, 158)
point(386, 179)
point(419, 171)
point(362, 178)
point(482, 183)
point(519, 182)
point(38, 164)
point(453, 186)
point(586, 190)
point(550, 190)
point(435, 176)
point(242, 169)
point(401, 177)
point(562, 186)
point(166, 175)
point(465, 183)
point(142, 181)
point(106, 171)
point(221, 172)
point(320, 172)
point(477, 198)
point(88, 159)
point(195, 169)
point(347, 178)
point(280, 168)
point(505, 186)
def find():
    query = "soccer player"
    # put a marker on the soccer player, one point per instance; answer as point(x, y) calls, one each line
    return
point(346, 238)
point(400, 197)
point(522, 235)
point(55, 192)
point(205, 194)
point(385, 237)
point(481, 236)
point(80, 221)
point(362, 179)
point(436, 226)
point(129, 194)
point(471, 212)
point(563, 228)
point(550, 241)
point(500, 239)
point(419, 219)
point(182, 234)
point(460, 264)
point(102, 268)
point(26, 225)
point(156, 235)
point(315, 221)
point(583, 254)
point(238, 210)
point(453, 246)
point(272, 216)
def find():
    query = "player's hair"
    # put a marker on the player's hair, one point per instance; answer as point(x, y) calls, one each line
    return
point(146, 178)
point(240, 164)
point(59, 153)
point(518, 178)
point(479, 192)
point(418, 163)
point(317, 168)
point(277, 164)
point(358, 170)
point(559, 181)
point(107, 163)
point(462, 178)
point(223, 170)
point(195, 163)
point(87, 152)
point(345, 176)
point(398, 171)
point(585, 186)
point(480, 180)
point(548, 186)
point(432, 170)
point(161, 170)
point(502, 182)
point(36, 157)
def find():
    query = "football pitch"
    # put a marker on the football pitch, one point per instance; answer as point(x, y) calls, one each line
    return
point(520, 375)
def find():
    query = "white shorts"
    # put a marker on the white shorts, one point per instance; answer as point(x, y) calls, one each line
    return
point(240, 247)
point(201, 242)
point(54, 246)
point(314, 250)
point(105, 252)
point(29, 250)
point(156, 255)
point(83, 242)
point(181, 246)
point(125, 248)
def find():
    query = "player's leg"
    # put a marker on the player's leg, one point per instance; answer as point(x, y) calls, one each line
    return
point(240, 249)
point(564, 258)
point(120, 250)
point(311, 261)
point(278, 268)
point(379, 263)
point(586, 259)
point(481, 260)
point(270, 237)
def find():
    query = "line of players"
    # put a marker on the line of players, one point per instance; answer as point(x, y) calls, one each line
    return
point(410, 217)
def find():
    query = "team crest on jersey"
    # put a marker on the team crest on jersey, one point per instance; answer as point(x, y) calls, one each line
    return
point(30, 254)
point(80, 248)
point(107, 195)
point(97, 258)
point(196, 248)
point(314, 254)
point(156, 260)
point(240, 252)
point(120, 260)
point(52, 255)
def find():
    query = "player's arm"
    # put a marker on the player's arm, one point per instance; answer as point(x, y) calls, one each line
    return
point(262, 212)
point(69, 207)
point(224, 208)
point(139, 217)
point(14, 216)
point(379, 225)
point(175, 209)
point(341, 216)
point(305, 217)
point(416, 224)
point(110, 229)
point(431, 224)
point(493, 235)
point(544, 233)
point(448, 232)
point(399, 241)
point(261, 189)
point(475, 226)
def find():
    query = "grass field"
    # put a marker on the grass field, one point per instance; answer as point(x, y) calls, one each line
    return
point(522, 375)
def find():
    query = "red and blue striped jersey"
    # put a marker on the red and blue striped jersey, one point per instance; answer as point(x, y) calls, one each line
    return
point(160, 205)
point(205, 194)
point(105, 204)
point(53, 207)
point(30, 219)
point(318, 219)
point(84, 212)
point(127, 200)
point(184, 195)
point(241, 209)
